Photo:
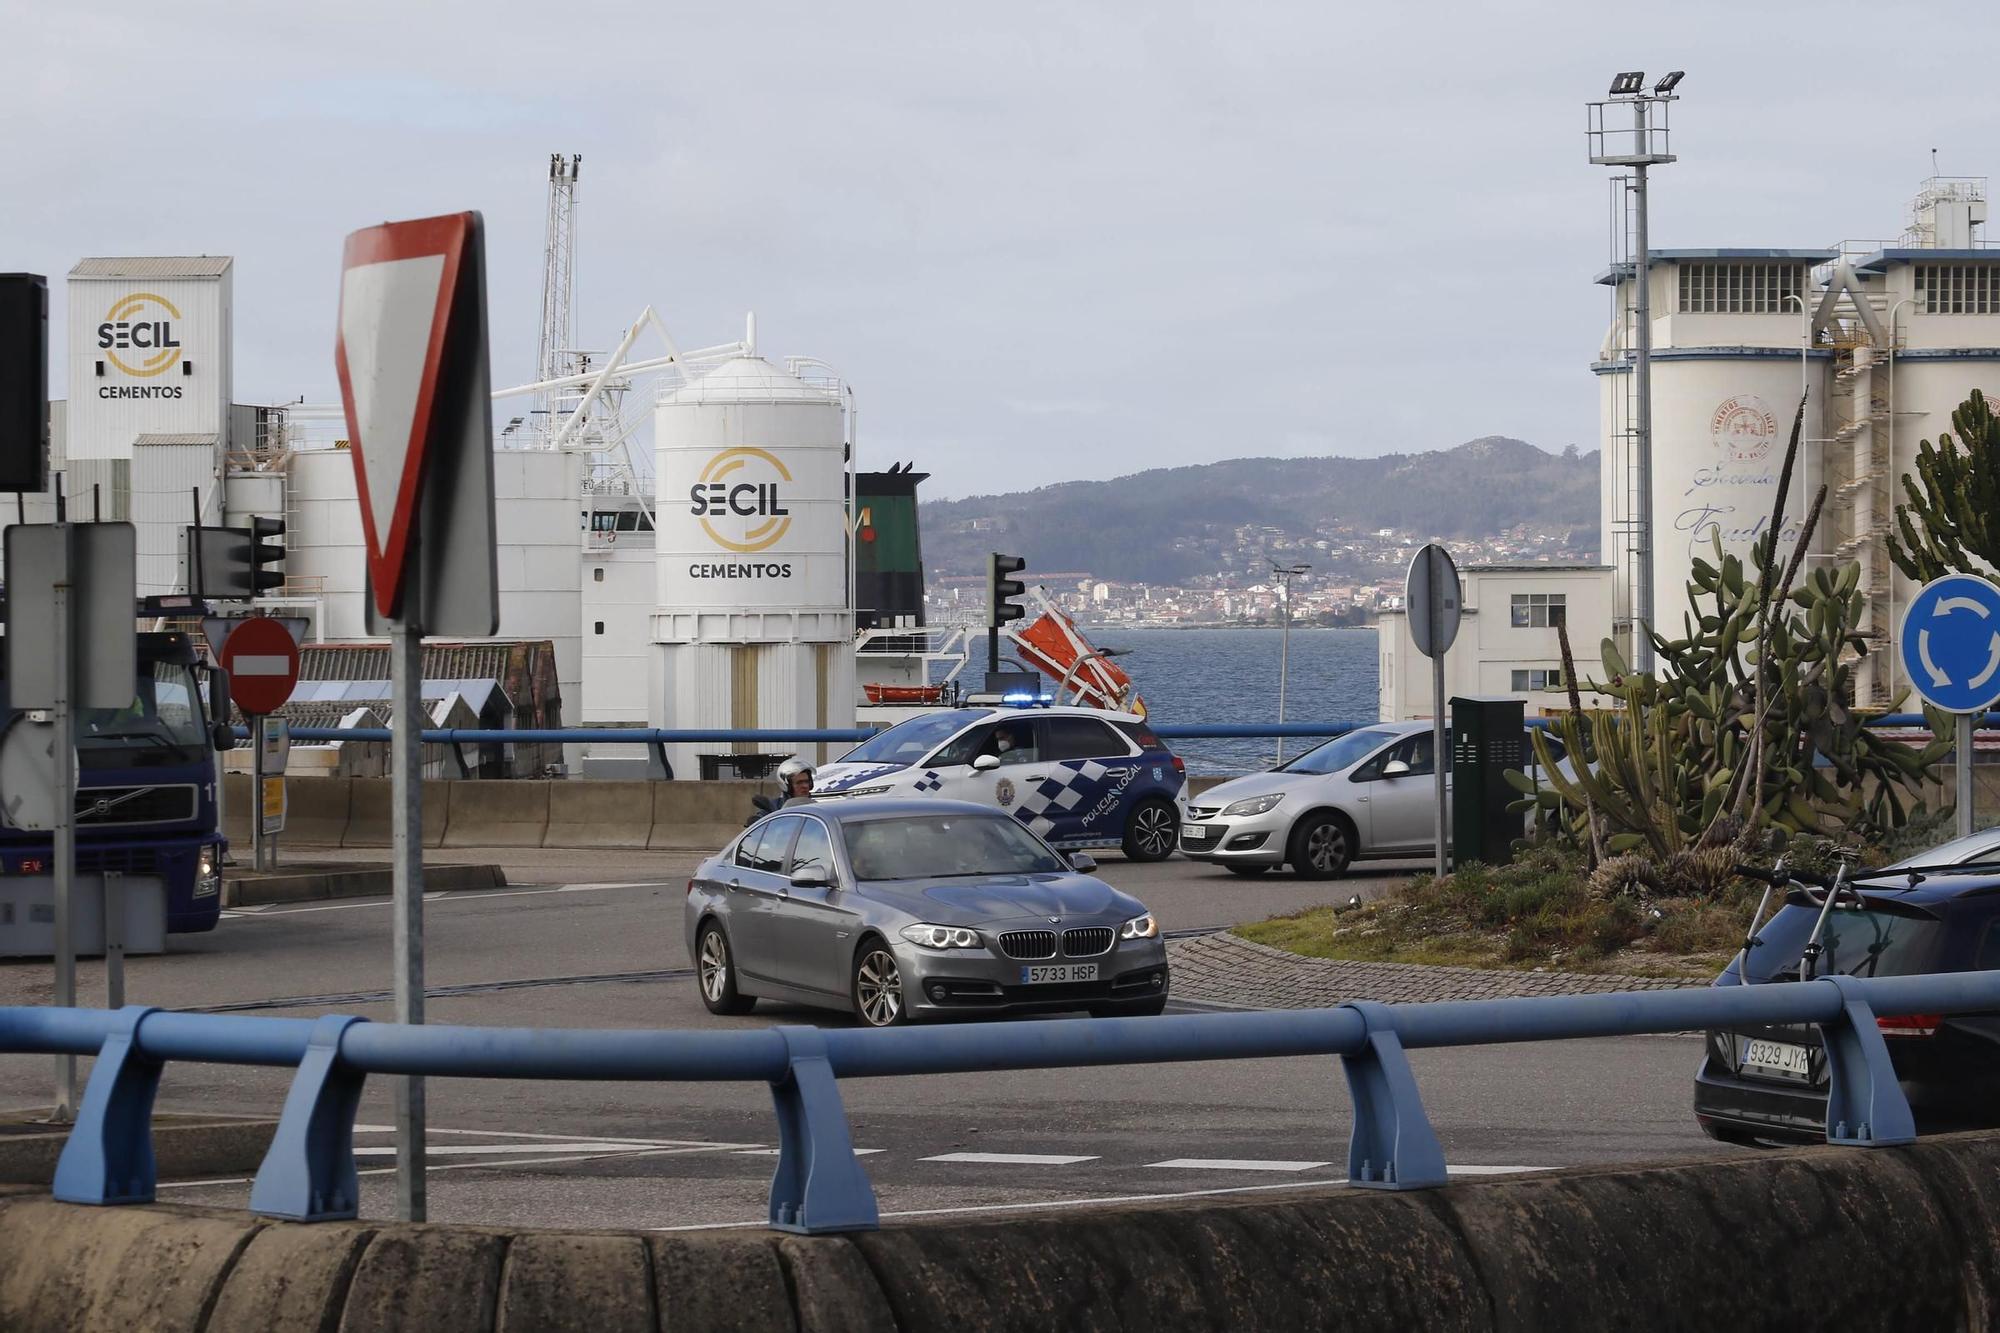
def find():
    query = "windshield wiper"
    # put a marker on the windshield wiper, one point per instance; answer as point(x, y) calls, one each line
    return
point(152, 736)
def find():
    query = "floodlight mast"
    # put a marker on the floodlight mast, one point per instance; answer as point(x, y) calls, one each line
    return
point(1648, 146)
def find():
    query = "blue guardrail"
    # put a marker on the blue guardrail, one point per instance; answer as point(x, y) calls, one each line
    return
point(819, 1186)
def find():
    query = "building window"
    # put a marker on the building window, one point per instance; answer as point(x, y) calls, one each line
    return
point(600, 627)
point(1959, 289)
point(1538, 679)
point(1538, 610)
point(597, 574)
point(1739, 289)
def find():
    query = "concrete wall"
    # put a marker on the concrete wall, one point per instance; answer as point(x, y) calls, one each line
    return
point(1893, 1238)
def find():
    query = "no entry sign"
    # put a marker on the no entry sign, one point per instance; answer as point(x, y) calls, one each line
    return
point(263, 665)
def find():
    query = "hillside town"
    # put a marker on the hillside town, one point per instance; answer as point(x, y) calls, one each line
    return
point(1348, 578)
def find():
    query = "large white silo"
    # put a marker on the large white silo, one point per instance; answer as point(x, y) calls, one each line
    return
point(754, 626)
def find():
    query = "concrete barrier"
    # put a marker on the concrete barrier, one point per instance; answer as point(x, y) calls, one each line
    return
point(701, 816)
point(317, 810)
point(1890, 1239)
point(368, 812)
point(497, 814)
point(600, 814)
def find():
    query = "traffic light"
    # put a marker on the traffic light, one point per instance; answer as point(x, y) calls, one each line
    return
point(1002, 590)
point(267, 547)
point(24, 382)
point(229, 564)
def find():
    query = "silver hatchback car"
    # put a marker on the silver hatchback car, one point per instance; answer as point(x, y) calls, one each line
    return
point(1371, 792)
point(911, 909)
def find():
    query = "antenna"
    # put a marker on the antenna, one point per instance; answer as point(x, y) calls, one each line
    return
point(553, 358)
point(1934, 165)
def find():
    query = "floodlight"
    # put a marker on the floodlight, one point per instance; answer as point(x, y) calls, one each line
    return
point(1630, 82)
point(1666, 85)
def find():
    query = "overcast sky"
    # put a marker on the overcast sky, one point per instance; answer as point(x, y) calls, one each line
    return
point(1043, 241)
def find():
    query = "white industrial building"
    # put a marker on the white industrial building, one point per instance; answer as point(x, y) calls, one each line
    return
point(1507, 639)
point(1881, 338)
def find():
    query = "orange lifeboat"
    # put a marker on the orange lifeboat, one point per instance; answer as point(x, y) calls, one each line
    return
point(1055, 645)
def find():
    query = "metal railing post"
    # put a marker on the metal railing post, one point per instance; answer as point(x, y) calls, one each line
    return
point(308, 1174)
point(1393, 1145)
point(818, 1186)
point(109, 1156)
point(1865, 1105)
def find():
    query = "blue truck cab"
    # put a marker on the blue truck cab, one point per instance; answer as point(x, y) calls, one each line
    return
point(146, 785)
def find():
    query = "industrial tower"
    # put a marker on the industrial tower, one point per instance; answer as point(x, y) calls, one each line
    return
point(556, 357)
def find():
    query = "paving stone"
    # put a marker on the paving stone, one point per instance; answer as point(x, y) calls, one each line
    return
point(1227, 969)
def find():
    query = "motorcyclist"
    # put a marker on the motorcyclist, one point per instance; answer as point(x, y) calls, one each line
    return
point(795, 778)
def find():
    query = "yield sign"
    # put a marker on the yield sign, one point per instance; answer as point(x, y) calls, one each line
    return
point(398, 287)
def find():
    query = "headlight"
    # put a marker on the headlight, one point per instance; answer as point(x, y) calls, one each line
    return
point(1139, 928)
point(854, 791)
point(206, 865)
point(207, 876)
point(941, 937)
point(1256, 805)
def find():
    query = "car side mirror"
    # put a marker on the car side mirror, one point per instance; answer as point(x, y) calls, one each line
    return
point(985, 763)
point(811, 877)
point(1395, 768)
point(1082, 861)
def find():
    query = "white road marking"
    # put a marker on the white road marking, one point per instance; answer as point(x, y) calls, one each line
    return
point(1009, 1158)
point(619, 1139)
point(501, 1149)
point(1049, 1204)
point(1232, 1164)
point(474, 1166)
point(773, 1152)
point(459, 895)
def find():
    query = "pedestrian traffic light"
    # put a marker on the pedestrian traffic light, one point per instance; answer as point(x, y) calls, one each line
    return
point(1002, 590)
point(267, 547)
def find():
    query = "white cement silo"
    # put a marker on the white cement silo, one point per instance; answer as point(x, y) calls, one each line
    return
point(753, 627)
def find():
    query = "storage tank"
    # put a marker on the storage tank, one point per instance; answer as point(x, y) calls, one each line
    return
point(754, 625)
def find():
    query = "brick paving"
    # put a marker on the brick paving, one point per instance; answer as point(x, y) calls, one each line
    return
point(1226, 969)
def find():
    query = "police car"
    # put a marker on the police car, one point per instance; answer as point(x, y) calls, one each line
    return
point(1078, 777)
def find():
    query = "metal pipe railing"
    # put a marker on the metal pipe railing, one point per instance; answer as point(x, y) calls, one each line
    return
point(309, 1173)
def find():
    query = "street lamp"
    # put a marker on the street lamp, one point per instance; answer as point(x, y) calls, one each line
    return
point(1639, 144)
point(1285, 574)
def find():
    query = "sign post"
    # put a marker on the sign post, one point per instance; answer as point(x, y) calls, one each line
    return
point(71, 643)
point(1950, 645)
point(262, 659)
point(411, 355)
point(1431, 603)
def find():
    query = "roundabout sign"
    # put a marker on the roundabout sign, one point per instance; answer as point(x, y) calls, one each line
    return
point(1950, 643)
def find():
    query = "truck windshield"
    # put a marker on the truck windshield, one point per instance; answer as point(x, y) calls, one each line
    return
point(161, 726)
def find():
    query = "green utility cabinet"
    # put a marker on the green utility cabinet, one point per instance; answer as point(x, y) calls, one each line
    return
point(1488, 737)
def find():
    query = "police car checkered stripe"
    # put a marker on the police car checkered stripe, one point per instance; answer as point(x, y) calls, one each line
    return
point(1070, 784)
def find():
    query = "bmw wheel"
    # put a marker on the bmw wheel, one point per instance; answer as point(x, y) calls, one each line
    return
point(1322, 845)
point(878, 987)
point(1152, 830)
point(715, 970)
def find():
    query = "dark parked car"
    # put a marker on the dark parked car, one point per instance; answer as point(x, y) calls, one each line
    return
point(1768, 1083)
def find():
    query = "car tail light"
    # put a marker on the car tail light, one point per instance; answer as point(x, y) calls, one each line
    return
point(1180, 765)
point(1909, 1025)
point(690, 888)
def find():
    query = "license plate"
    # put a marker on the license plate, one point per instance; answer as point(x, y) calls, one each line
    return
point(1777, 1057)
point(1035, 976)
point(1194, 833)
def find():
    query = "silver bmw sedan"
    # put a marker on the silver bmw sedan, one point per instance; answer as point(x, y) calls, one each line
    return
point(902, 910)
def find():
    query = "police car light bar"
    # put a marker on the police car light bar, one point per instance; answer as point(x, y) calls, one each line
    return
point(1022, 699)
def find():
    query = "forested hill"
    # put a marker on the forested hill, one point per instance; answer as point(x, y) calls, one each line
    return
point(1170, 524)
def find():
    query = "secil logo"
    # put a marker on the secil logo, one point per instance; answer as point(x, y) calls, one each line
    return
point(739, 502)
point(141, 324)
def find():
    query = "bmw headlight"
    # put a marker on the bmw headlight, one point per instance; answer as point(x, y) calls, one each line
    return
point(928, 936)
point(1139, 928)
point(1256, 805)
